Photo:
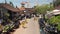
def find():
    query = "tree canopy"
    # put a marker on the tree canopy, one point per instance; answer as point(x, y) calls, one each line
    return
point(43, 8)
point(56, 2)
point(55, 20)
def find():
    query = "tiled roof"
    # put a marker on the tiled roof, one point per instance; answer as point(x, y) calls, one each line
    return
point(30, 10)
point(20, 10)
point(9, 7)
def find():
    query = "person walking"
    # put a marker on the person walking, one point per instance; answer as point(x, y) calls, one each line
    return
point(35, 18)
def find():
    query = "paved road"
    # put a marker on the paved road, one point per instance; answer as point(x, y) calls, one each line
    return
point(32, 27)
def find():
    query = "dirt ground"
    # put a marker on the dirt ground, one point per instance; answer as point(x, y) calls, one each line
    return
point(32, 27)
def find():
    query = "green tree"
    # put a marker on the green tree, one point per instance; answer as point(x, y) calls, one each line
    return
point(43, 8)
point(55, 20)
point(11, 4)
point(56, 2)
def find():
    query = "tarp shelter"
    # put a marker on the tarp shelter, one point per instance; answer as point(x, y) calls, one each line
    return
point(55, 12)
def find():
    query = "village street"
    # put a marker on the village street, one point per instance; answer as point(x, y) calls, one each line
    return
point(32, 27)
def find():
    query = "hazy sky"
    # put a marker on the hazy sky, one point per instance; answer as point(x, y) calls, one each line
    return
point(17, 2)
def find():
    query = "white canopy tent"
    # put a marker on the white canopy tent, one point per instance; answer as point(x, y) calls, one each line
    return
point(55, 12)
